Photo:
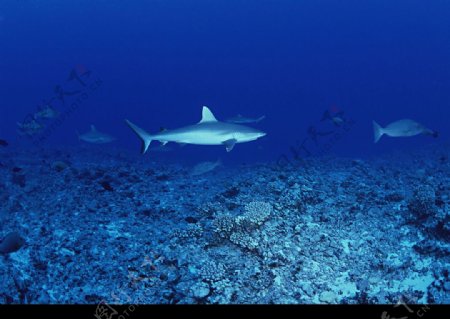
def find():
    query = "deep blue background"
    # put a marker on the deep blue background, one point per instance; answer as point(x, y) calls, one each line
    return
point(289, 60)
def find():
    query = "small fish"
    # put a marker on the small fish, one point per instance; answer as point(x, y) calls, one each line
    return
point(46, 112)
point(205, 167)
point(239, 119)
point(96, 137)
point(401, 128)
point(3, 143)
point(11, 243)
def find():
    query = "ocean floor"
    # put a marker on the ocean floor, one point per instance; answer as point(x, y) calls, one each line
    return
point(121, 228)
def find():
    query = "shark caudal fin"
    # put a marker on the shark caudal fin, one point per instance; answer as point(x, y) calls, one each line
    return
point(377, 132)
point(143, 135)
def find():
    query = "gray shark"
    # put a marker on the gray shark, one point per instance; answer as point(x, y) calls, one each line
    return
point(96, 137)
point(46, 112)
point(205, 167)
point(209, 131)
point(239, 119)
point(401, 128)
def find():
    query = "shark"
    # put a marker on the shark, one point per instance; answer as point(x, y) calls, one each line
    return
point(95, 137)
point(46, 112)
point(205, 167)
point(239, 119)
point(209, 131)
point(401, 128)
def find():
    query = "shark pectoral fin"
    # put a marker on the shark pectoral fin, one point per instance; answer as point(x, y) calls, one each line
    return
point(229, 144)
point(164, 142)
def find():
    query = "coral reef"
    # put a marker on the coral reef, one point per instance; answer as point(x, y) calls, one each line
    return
point(124, 229)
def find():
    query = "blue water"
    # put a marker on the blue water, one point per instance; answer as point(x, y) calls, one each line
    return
point(291, 60)
point(158, 62)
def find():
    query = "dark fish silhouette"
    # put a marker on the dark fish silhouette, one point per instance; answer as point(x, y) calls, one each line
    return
point(3, 143)
point(11, 243)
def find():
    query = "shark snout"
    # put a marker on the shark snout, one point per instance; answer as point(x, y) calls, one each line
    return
point(257, 135)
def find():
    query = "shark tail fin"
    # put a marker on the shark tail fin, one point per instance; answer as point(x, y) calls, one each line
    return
point(143, 135)
point(377, 132)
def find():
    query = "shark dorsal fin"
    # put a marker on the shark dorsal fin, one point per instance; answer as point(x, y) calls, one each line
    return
point(207, 115)
point(93, 129)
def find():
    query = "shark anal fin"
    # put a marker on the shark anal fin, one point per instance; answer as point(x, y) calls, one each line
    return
point(229, 144)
